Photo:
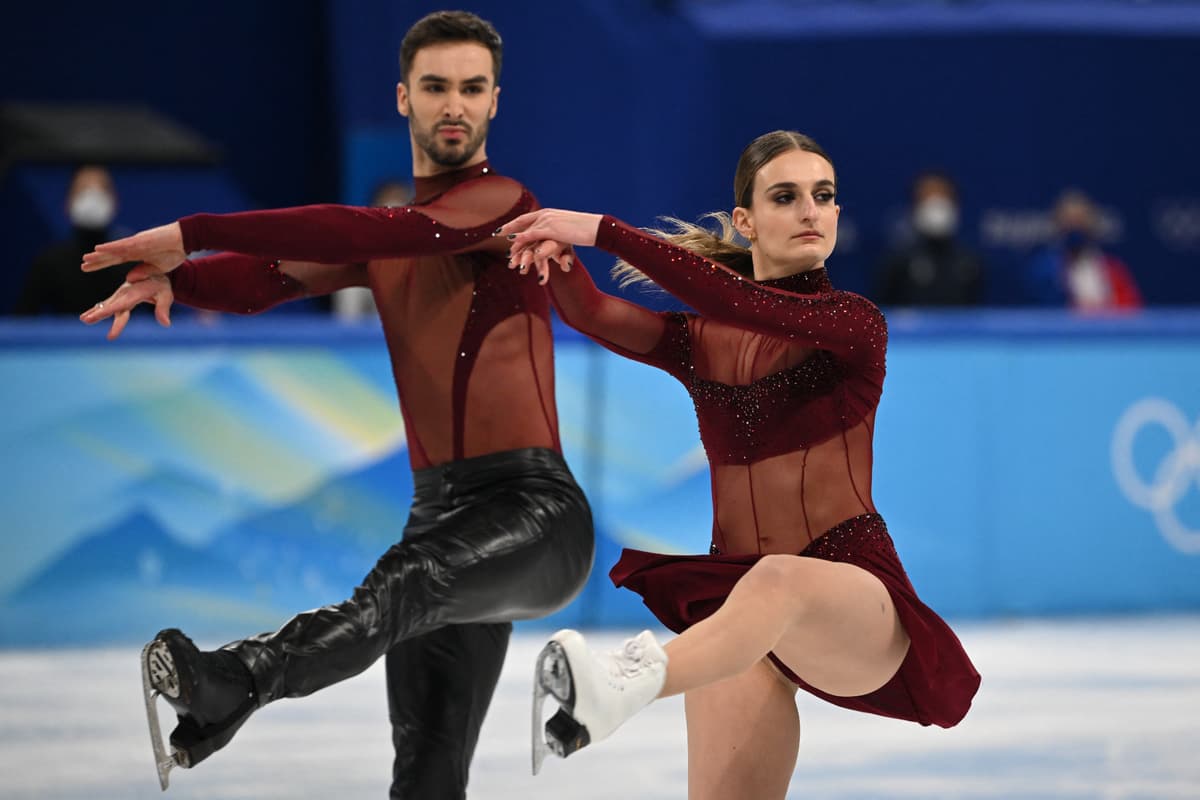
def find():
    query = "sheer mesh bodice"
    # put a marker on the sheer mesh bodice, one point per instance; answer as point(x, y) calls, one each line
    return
point(785, 376)
point(469, 340)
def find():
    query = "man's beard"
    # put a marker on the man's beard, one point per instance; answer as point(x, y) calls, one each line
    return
point(450, 155)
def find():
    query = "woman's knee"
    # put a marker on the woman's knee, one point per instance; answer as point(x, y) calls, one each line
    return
point(798, 587)
point(780, 577)
point(771, 572)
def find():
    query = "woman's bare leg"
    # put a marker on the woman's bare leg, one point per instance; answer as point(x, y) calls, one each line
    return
point(833, 624)
point(743, 736)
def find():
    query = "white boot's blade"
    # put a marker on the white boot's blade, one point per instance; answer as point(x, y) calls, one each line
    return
point(549, 678)
point(155, 660)
point(538, 741)
point(561, 734)
point(597, 693)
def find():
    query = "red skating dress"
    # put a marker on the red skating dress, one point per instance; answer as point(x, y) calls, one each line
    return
point(785, 376)
point(468, 340)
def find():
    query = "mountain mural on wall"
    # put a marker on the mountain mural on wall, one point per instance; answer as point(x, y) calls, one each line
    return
point(202, 446)
point(222, 491)
point(129, 579)
point(264, 566)
point(125, 578)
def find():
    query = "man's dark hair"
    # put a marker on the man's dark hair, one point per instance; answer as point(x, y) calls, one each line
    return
point(450, 26)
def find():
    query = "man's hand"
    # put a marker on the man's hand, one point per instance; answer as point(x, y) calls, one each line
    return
point(160, 247)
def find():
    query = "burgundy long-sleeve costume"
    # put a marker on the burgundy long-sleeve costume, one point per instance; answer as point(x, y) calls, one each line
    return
point(498, 529)
point(785, 376)
point(468, 343)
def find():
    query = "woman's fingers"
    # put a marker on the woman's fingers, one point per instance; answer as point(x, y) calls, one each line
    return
point(518, 225)
point(550, 253)
point(525, 260)
point(541, 263)
point(545, 223)
point(538, 256)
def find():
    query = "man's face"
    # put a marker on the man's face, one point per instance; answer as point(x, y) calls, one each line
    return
point(449, 97)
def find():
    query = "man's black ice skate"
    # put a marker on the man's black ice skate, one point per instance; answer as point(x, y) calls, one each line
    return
point(596, 693)
point(211, 692)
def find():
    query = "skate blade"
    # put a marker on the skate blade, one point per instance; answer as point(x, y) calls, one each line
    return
point(159, 677)
point(561, 734)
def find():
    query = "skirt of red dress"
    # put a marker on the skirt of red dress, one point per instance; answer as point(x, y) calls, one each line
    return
point(936, 681)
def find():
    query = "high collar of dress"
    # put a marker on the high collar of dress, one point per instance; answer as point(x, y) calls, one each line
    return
point(429, 186)
point(813, 281)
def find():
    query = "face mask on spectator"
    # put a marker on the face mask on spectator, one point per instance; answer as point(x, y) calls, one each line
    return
point(92, 209)
point(935, 217)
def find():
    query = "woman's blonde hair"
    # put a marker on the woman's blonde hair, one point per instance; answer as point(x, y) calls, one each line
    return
point(724, 245)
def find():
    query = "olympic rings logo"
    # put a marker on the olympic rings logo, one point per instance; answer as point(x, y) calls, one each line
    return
point(1175, 473)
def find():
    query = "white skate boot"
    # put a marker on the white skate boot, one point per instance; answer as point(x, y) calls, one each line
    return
point(596, 692)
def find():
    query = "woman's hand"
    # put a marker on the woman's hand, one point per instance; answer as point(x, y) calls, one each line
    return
point(160, 247)
point(539, 255)
point(546, 235)
point(143, 284)
point(568, 227)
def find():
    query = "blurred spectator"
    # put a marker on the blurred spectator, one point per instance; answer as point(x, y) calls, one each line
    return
point(1074, 270)
point(931, 267)
point(356, 302)
point(54, 283)
point(392, 194)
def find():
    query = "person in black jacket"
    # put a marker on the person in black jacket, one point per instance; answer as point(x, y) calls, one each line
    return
point(932, 267)
point(54, 283)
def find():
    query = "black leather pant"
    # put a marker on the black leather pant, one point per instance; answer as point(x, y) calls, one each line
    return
point(489, 540)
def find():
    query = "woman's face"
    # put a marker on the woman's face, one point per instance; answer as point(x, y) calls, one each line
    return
point(792, 218)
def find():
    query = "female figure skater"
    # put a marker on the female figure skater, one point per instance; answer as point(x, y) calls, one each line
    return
point(802, 587)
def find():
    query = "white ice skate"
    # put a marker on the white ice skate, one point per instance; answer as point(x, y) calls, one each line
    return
point(596, 692)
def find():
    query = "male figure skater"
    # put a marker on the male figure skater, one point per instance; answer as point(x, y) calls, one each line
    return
point(498, 529)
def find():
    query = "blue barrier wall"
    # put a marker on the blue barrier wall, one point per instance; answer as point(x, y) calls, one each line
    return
point(221, 477)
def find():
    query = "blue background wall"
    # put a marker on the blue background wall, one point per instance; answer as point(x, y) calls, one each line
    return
point(640, 108)
point(251, 78)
